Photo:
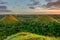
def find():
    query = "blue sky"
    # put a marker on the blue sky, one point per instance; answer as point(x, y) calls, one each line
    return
point(22, 6)
point(19, 4)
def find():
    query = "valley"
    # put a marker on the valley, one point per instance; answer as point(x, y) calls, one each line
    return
point(45, 25)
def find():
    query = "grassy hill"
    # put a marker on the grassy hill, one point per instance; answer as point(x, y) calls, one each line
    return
point(40, 25)
point(45, 19)
point(29, 36)
point(9, 19)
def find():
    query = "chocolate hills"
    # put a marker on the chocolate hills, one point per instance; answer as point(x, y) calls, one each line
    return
point(44, 19)
point(12, 19)
point(42, 25)
point(9, 19)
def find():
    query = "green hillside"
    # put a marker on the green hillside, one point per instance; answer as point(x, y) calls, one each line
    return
point(41, 25)
point(29, 36)
point(45, 19)
point(9, 19)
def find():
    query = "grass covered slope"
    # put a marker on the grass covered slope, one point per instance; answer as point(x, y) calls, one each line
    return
point(43, 25)
point(9, 19)
point(45, 19)
point(29, 36)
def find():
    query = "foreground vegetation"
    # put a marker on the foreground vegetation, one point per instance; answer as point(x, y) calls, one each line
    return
point(29, 36)
point(47, 26)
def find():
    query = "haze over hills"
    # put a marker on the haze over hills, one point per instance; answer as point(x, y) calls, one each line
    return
point(12, 18)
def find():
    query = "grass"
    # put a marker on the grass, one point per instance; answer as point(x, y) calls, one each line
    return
point(30, 36)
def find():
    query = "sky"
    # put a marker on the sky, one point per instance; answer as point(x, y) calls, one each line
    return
point(19, 4)
point(31, 5)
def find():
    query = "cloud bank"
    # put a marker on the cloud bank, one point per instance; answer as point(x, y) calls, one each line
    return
point(55, 4)
point(51, 4)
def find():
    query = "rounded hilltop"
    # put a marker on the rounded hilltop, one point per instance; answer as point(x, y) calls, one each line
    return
point(9, 19)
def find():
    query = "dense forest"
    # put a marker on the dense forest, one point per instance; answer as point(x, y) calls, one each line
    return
point(42, 25)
